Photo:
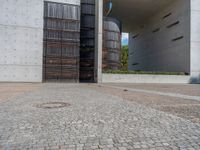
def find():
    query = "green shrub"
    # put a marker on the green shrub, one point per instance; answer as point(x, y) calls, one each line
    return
point(124, 58)
point(142, 72)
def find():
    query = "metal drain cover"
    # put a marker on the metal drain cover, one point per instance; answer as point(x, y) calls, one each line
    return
point(52, 105)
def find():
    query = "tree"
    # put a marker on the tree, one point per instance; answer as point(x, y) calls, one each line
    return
point(124, 58)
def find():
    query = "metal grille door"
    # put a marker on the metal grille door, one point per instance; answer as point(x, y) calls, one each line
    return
point(87, 49)
point(61, 42)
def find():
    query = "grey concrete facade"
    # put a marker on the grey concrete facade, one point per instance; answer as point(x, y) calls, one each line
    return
point(165, 36)
point(156, 46)
point(21, 38)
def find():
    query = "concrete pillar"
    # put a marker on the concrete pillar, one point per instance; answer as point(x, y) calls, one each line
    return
point(98, 40)
point(195, 42)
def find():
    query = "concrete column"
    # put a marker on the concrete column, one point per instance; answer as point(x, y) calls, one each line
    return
point(98, 40)
point(195, 42)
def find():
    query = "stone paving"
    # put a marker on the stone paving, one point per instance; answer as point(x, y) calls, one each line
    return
point(169, 101)
point(93, 120)
point(13, 89)
point(184, 89)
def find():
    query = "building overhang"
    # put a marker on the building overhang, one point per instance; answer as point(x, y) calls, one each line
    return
point(134, 13)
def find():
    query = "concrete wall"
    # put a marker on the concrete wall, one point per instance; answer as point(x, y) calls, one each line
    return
point(195, 41)
point(21, 39)
point(153, 49)
point(133, 78)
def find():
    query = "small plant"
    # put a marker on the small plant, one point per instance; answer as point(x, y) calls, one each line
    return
point(142, 72)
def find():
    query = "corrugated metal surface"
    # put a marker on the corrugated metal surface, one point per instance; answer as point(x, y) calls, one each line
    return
point(87, 48)
point(61, 42)
point(111, 44)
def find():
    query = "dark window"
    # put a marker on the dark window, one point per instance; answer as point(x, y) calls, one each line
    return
point(167, 15)
point(178, 38)
point(173, 24)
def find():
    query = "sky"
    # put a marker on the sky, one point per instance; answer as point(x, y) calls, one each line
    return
point(124, 38)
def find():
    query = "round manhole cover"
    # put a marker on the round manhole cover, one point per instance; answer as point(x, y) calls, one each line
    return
point(52, 105)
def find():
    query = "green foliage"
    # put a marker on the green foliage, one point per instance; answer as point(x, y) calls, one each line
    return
point(124, 58)
point(142, 72)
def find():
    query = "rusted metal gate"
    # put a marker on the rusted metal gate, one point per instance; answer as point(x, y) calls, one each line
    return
point(87, 49)
point(61, 42)
point(111, 44)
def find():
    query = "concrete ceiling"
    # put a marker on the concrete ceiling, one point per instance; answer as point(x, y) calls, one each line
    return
point(133, 13)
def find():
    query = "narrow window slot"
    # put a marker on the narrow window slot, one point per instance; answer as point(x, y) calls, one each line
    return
point(156, 30)
point(169, 14)
point(178, 38)
point(173, 24)
point(135, 64)
point(135, 36)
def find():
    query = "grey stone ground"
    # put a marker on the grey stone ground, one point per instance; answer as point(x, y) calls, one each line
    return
point(95, 120)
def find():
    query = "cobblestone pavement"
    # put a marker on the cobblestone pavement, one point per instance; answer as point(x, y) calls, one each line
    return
point(175, 103)
point(185, 89)
point(14, 89)
point(94, 120)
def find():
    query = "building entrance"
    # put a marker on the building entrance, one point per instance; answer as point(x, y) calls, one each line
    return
point(61, 42)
